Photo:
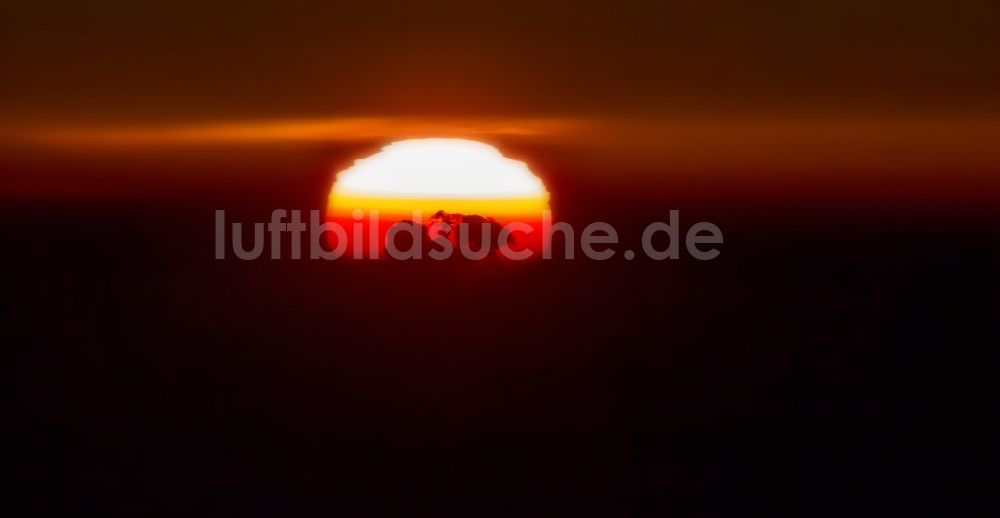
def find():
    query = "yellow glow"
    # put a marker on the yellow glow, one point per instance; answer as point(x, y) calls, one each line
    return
point(453, 175)
point(404, 207)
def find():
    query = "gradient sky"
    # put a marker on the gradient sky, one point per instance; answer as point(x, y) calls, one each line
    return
point(141, 60)
point(845, 98)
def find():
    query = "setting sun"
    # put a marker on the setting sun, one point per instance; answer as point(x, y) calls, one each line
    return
point(437, 176)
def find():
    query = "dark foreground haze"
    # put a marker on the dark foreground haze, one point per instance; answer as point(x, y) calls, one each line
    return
point(836, 356)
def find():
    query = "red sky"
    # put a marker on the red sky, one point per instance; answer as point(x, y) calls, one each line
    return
point(855, 95)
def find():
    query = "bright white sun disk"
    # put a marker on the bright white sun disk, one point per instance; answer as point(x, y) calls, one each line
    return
point(440, 168)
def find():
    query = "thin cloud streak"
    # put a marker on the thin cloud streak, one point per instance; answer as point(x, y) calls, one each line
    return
point(301, 130)
point(747, 143)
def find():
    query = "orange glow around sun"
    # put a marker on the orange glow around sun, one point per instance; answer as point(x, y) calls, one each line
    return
point(432, 175)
